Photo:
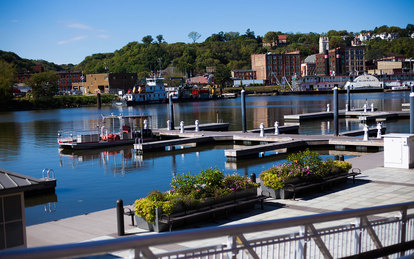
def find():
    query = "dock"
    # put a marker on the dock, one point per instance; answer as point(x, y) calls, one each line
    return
point(371, 132)
point(219, 126)
point(357, 114)
point(11, 182)
point(160, 145)
point(288, 129)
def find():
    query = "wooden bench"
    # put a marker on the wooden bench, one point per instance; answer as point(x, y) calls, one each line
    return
point(211, 210)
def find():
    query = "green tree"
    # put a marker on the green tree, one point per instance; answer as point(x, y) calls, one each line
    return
point(44, 84)
point(160, 38)
point(222, 76)
point(147, 39)
point(7, 79)
point(270, 37)
point(194, 36)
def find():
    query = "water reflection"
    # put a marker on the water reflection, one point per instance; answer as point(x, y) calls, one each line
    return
point(10, 139)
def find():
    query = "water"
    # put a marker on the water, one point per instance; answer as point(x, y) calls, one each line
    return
point(93, 180)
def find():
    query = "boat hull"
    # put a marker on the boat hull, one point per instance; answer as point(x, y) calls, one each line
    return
point(100, 144)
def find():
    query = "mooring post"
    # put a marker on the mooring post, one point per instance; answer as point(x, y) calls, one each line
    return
point(182, 127)
point(262, 134)
point(170, 103)
point(120, 217)
point(243, 106)
point(365, 132)
point(328, 108)
point(98, 100)
point(253, 177)
point(197, 126)
point(145, 124)
point(372, 107)
point(379, 128)
point(276, 128)
point(168, 125)
point(335, 101)
point(217, 117)
point(412, 113)
point(348, 99)
point(365, 107)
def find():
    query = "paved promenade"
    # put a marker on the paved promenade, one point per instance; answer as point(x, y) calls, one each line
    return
point(375, 186)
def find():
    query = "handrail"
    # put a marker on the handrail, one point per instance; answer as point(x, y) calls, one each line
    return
point(135, 242)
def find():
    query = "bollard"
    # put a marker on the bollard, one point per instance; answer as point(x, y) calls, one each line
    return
point(182, 127)
point(243, 106)
point(379, 130)
point(346, 107)
point(328, 107)
point(197, 126)
point(276, 128)
point(168, 125)
point(262, 134)
point(336, 157)
point(335, 102)
point(98, 100)
point(372, 107)
point(170, 103)
point(145, 124)
point(217, 117)
point(341, 158)
point(348, 99)
point(366, 132)
point(120, 217)
point(412, 113)
point(253, 177)
point(365, 107)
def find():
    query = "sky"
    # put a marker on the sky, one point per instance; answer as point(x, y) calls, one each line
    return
point(67, 31)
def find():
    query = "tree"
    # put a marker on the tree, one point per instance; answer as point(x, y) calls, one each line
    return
point(7, 79)
point(250, 34)
point(44, 84)
point(160, 38)
point(194, 36)
point(147, 39)
point(222, 75)
point(270, 37)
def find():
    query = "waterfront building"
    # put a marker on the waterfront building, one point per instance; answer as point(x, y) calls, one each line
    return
point(276, 68)
point(243, 74)
point(308, 67)
point(341, 61)
point(106, 83)
point(66, 78)
point(201, 80)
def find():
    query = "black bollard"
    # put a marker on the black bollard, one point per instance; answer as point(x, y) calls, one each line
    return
point(335, 101)
point(341, 158)
point(120, 217)
point(336, 158)
point(98, 100)
point(170, 102)
point(243, 106)
point(348, 98)
point(412, 113)
point(412, 87)
point(253, 177)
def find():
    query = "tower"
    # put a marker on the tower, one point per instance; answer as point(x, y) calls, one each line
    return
point(323, 44)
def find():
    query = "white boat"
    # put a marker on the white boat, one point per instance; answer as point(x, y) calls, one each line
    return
point(152, 92)
point(112, 130)
point(364, 82)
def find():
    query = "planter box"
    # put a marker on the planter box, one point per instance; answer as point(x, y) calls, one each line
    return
point(203, 213)
point(291, 189)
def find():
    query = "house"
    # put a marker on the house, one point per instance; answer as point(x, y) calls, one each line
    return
point(280, 41)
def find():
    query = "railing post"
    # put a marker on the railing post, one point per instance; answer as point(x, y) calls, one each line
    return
point(379, 128)
point(232, 245)
point(366, 132)
point(120, 217)
point(328, 107)
point(301, 251)
point(403, 228)
point(357, 236)
point(182, 127)
point(372, 107)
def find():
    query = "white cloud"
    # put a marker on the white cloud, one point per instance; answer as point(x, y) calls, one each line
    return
point(103, 36)
point(80, 26)
point(74, 39)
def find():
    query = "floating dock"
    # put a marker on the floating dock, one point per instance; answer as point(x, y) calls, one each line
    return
point(358, 114)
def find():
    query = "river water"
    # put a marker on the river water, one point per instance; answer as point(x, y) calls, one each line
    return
point(89, 181)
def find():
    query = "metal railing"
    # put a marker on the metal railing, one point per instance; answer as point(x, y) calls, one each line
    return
point(376, 231)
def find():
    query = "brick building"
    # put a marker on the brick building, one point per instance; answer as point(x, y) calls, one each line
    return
point(270, 66)
point(341, 61)
point(66, 78)
point(107, 82)
point(243, 74)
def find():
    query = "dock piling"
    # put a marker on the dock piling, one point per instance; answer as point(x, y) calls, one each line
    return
point(197, 126)
point(336, 108)
point(276, 128)
point(243, 107)
point(182, 127)
point(170, 103)
point(98, 100)
point(262, 133)
point(372, 107)
point(348, 99)
point(379, 128)
point(120, 217)
point(365, 108)
point(365, 132)
point(328, 108)
point(412, 113)
point(168, 125)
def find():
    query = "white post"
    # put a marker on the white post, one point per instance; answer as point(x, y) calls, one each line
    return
point(262, 134)
point(327, 107)
point(168, 125)
point(182, 127)
point(145, 124)
point(365, 132)
point(379, 127)
point(372, 107)
point(276, 128)
point(365, 107)
point(197, 126)
point(346, 107)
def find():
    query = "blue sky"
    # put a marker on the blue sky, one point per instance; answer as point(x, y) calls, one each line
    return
point(67, 31)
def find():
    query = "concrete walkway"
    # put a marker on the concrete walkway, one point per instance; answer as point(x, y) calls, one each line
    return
point(375, 186)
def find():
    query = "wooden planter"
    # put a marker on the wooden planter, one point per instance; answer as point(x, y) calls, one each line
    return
point(293, 187)
point(211, 208)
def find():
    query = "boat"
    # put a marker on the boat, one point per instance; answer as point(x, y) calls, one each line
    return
point(364, 82)
point(112, 130)
point(152, 92)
